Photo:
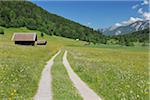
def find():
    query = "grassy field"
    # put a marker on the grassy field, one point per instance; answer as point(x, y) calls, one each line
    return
point(62, 86)
point(21, 66)
point(115, 73)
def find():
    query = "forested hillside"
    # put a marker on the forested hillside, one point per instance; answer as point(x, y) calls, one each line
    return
point(27, 14)
point(130, 38)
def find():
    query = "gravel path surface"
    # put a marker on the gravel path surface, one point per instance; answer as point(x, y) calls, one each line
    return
point(44, 90)
point(84, 90)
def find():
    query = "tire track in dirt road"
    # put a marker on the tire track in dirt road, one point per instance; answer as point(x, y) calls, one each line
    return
point(84, 90)
point(44, 91)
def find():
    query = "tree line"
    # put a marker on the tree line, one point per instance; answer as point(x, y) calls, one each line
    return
point(141, 37)
point(27, 14)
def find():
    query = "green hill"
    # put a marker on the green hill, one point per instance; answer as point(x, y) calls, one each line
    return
point(141, 37)
point(27, 14)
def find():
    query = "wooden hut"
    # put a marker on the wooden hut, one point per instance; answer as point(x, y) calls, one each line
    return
point(41, 42)
point(24, 38)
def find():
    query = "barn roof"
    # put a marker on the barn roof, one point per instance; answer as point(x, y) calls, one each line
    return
point(24, 37)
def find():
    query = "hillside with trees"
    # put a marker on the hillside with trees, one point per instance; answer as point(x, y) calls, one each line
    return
point(27, 14)
point(131, 38)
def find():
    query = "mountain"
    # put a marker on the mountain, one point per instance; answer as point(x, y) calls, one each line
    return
point(131, 39)
point(28, 14)
point(124, 29)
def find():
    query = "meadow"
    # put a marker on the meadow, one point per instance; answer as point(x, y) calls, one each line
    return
point(21, 66)
point(63, 88)
point(113, 72)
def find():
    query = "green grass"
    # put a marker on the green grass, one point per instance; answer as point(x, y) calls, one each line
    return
point(21, 66)
point(62, 86)
point(20, 69)
point(113, 73)
point(132, 48)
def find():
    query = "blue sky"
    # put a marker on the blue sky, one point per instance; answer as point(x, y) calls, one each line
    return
point(95, 14)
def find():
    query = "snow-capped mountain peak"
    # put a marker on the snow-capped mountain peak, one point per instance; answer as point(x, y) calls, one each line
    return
point(127, 28)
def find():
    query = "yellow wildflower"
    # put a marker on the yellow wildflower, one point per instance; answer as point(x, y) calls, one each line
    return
point(12, 93)
point(14, 90)
point(9, 98)
point(146, 92)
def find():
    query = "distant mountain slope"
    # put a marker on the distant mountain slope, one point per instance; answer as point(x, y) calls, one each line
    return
point(27, 14)
point(141, 36)
point(136, 26)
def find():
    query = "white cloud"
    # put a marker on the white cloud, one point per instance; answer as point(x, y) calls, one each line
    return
point(88, 23)
point(131, 20)
point(124, 23)
point(140, 11)
point(146, 15)
point(135, 6)
point(115, 26)
point(118, 24)
point(139, 7)
point(145, 2)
